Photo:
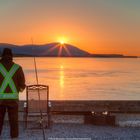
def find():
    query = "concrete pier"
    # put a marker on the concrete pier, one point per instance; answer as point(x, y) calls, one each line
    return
point(125, 112)
point(68, 121)
point(124, 106)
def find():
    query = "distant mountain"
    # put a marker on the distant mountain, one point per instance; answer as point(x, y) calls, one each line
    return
point(52, 49)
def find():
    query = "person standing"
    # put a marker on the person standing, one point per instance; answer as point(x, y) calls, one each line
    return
point(12, 81)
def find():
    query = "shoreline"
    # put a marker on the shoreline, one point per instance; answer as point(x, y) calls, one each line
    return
point(79, 56)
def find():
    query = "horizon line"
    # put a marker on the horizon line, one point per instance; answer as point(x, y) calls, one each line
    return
point(67, 44)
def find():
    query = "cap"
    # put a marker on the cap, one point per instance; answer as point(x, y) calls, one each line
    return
point(7, 52)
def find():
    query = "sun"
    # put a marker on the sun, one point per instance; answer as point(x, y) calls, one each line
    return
point(61, 46)
point(62, 40)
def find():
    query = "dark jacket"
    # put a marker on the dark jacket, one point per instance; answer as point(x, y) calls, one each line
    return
point(18, 77)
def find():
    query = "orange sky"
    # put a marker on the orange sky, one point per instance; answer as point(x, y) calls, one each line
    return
point(97, 27)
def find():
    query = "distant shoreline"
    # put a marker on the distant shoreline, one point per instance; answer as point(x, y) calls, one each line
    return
point(78, 56)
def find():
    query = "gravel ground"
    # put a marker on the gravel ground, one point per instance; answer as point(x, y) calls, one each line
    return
point(69, 131)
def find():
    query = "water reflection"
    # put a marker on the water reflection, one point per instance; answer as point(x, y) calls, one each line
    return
point(85, 78)
point(61, 79)
point(62, 76)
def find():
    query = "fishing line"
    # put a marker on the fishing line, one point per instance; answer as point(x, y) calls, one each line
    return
point(41, 115)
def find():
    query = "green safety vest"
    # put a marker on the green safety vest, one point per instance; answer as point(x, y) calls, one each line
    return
point(8, 81)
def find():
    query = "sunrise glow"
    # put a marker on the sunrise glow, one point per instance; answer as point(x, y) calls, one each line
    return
point(99, 27)
point(62, 40)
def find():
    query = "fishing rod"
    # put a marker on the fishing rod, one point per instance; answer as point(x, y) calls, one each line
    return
point(41, 115)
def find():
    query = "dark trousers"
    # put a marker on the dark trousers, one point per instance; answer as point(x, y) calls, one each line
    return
point(12, 108)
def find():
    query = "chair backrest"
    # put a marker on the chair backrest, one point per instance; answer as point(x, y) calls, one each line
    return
point(37, 98)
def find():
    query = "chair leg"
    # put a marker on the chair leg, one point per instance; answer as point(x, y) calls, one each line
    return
point(25, 120)
point(49, 120)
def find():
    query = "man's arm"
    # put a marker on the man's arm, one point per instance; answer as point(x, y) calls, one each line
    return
point(21, 80)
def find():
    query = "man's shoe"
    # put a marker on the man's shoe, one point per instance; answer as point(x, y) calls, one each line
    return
point(15, 138)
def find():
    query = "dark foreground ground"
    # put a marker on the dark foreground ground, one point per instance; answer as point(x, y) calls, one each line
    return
point(72, 127)
point(73, 131)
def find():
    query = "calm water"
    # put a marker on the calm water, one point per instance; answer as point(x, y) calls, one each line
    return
point(85, 78)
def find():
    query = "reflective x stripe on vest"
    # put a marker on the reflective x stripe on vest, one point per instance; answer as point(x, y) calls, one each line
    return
point(8, 81)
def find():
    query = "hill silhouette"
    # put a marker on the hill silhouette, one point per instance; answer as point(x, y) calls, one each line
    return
point(51, 49)
point(54, 50)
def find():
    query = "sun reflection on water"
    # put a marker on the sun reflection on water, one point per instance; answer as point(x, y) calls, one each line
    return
point(61, 79)
point(61, 76)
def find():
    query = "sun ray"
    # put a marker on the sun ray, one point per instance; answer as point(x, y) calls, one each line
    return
point(60, 46)
point(67, 50)
point(60, 50)
point(53, 48)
